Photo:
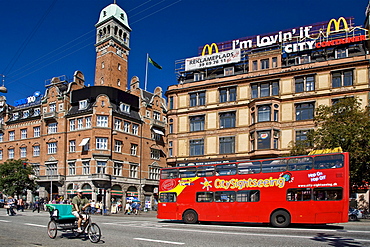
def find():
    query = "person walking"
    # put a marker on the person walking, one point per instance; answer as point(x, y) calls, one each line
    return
point(10, 207)
point(36, 206)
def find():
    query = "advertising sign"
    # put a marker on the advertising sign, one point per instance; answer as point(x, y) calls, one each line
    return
point(211, 60)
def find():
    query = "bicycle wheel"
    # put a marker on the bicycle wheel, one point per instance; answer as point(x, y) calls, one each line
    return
point(94, 233)
point(52, 229)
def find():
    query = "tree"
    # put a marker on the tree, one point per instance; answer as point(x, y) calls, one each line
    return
point(16, 177)
point(344, 124)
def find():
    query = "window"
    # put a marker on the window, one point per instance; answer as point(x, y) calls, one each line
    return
point(171, 103)
point(228, 71)
point(204, 197)
point(197, 123)
point(118, 146)
point(102, 121)
point(1, 137)
point(154, 173)
point(125, 108)
point(135, 129)
point(80, 123)
point(169, 174)
point(274, 62)
point(117, 124)
point(82, 104)
point(264, 113)
point(328, 194)
point(72, 124)
point(11, 135)
point(198, 76)
point(36, 131)
point(100, 167)
point(117, 169)
point(265, 63)
point(72, 168)
point(248, 196)
point(227, 145)
point(227, 94)
point(341, 53)
point(119, 82)
point(1, 154)
point(36, 169)
point(227, 120)
point(265, 89)
point(264, 139)
point(102, 143)
point(52, 107)
point(11, 153)
point(197, 99)
point(329, 161)
point(196, 147)
point(86, 167)
point(36, 151)
point(88, 122)
point(52, 128)
point(133, 170)
point(205, 171)
point(72, 146)
point(51, 169)
point(23, 133)
point(304, 111)
point(167, 197)
point(156, 116)
point(301, 135)
point(52, 148)
point(299, 164)
point(26, 114)
point(225, 170)
point(36, 112)
point(342, 78)
point(277, 165)
point(170, 128)
point(225, 196)
point(249, 167)
point(126, 126)
point(119, 67)
point(154, 154)
point(23, 152)
point(304, 84)
point(255, 65)
point(133, 149)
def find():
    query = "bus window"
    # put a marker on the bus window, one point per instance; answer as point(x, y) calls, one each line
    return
point(205, 171)
point(249, 167)
point(204, 196)
point(169, 173)
point(248, 196)
point(187, 172)
point(225, 196)
point(299, 164)
point(229, 169)
point(278, 165)
point(329, 161)
point(299, 194)
point(328, 194)
point(167, 197)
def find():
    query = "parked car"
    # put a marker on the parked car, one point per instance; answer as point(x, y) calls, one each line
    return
point(354, 214)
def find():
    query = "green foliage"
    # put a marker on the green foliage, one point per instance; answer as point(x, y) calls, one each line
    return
point(15, 178)
point(344, 124)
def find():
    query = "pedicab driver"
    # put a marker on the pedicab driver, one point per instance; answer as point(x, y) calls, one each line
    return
point(80, 203)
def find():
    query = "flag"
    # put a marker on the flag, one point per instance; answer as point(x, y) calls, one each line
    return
point(154, 63)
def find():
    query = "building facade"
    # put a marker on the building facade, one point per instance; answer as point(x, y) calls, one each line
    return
point(255, 97)
point(107, 139)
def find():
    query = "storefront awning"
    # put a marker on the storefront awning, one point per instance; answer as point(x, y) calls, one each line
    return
point(157, 131)
point(84, 141)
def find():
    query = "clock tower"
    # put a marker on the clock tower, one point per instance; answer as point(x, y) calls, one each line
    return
point(112, 48)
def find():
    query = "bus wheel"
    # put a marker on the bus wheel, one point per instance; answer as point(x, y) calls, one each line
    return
point(280, 218)
point(190, 217)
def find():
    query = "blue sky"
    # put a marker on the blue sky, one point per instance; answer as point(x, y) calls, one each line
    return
point(42, 39)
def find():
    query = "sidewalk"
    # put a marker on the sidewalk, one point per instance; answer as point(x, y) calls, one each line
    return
point(141, 214)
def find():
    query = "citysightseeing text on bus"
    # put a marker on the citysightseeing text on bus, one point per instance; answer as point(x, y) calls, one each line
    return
point(249, 183)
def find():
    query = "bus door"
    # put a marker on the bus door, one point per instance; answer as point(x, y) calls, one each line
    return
point(167, 206)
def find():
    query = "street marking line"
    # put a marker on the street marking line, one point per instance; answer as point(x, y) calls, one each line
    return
point(30, 224)
point(158, 241)
point(7, 221)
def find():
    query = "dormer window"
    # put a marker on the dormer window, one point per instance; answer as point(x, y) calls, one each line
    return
point(125, 108)
point(82, 104)
point(228, 71)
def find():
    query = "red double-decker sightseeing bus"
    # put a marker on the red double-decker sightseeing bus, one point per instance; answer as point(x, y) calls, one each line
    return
point(302, 189)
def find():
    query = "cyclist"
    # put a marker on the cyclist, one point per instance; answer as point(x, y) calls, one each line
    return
point(79, 203)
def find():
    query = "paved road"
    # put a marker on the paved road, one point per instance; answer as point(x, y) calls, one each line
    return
point(29, 229)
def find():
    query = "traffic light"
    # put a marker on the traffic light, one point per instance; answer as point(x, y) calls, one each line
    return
point(24, 164)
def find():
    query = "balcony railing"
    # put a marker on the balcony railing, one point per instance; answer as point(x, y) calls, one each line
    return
point(50, 115)
point(101, 177)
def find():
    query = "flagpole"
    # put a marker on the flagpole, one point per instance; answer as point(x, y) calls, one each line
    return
point(146, 70)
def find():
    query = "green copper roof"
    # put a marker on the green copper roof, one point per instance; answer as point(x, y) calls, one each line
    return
point(113, 10)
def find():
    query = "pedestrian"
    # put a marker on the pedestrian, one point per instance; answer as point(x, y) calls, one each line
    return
point(10, 207)
point(36, 206)
point(21, 204)
point(92, 207)
point(128, 208)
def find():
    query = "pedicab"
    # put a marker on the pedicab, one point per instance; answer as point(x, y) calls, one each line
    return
point(61, 218)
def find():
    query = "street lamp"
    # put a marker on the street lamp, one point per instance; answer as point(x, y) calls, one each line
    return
point(3, 89)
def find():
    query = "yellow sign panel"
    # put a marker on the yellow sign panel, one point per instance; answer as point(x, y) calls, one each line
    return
point(326, 151)
point(209, 48)
point(337, 25)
